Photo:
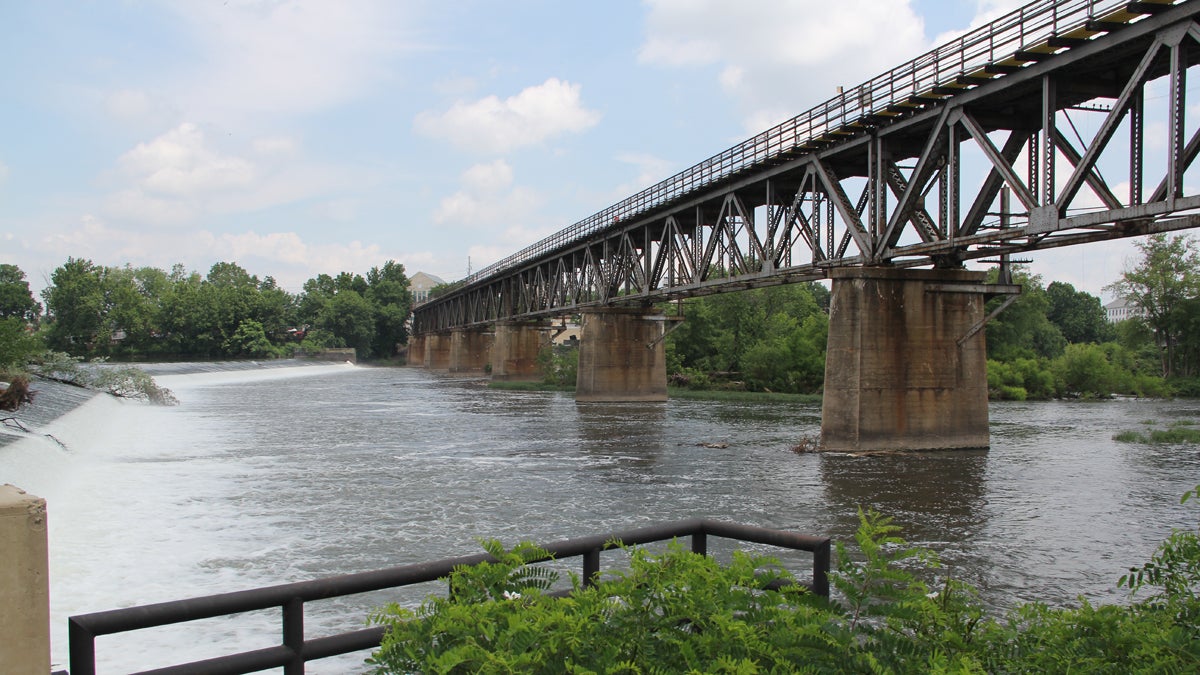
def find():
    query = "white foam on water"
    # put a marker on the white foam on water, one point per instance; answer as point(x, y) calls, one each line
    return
point(141, 510)
point(234, 377)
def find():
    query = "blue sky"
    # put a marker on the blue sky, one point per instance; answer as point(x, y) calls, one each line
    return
point(299, 137)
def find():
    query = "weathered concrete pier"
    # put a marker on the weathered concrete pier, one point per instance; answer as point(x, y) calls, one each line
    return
point(24, 583)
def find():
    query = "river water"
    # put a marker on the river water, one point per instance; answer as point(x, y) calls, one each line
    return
point(268, 476)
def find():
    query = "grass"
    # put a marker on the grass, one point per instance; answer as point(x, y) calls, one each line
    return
point(1176, 433)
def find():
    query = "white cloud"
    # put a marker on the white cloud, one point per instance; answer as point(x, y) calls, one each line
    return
point(491, 125)
point(276, 146)
point(181, 176)
point(985, 11)
point(179, 163)
point(487, 197)
point(286, 56)
point(777, 59)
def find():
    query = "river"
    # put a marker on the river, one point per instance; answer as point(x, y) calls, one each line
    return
point(286, 474)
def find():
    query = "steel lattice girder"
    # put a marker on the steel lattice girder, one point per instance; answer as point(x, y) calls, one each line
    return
point(719, 238)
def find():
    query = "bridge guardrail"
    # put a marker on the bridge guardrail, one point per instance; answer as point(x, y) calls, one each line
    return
point(296, 650)
point(925, 78)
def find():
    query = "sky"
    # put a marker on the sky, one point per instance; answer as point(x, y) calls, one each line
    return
point(300, 137)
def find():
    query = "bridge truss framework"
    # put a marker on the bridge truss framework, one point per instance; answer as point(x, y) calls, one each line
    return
point(973, 150)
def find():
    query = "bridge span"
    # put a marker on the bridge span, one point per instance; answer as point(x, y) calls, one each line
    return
point(1059, 124)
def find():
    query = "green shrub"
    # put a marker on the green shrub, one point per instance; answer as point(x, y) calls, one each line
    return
point(17, 344)
point(674, 612)
point(559, 365)
point(678, 612)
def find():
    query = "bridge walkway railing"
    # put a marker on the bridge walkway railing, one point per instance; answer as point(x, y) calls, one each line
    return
point(295, 649)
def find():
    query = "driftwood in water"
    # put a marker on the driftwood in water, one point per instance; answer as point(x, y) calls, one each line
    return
point(15, 394)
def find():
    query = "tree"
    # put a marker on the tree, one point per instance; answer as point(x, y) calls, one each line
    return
point(17, 344)
point(391, 300)
point(1022, 331)
point(75, 305)
point(16, 301)
point(249, 340)
point(1079, 315)
point(1167, 275)
point(773, 337)
point(1084, 370)
point(349, 317)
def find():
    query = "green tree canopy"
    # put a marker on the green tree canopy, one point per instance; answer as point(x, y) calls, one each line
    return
point(1078, 315)
point(75, 305)
point(16, 301)
point(1022, 330)
point(772, 338)
point(391, 300)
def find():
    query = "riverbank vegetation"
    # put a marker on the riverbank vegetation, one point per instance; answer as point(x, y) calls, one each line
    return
point(893, 610)
point(139, 313)
point(1053, 341)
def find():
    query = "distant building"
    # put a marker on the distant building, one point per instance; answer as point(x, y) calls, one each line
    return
point(1121, 309)
point(420, 285)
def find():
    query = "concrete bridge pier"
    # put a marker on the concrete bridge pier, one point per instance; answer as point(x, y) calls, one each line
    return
point(515, 350)
point(621, 356)
point(470, 350)
point(437, 351)
point(416, 350)
point(906, 366)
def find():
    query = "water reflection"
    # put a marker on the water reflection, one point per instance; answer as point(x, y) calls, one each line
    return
point(625, 438)
point(933, 497)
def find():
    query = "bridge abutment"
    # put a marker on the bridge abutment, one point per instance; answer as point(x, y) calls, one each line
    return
point(470, 350)
point(621, 356)
point(903, 369)
point(515, 350)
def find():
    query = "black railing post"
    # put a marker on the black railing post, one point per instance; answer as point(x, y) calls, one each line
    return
point(591, 567)
point(82, 645)
point(821, 555)
point(700, 543)
point(293, 635)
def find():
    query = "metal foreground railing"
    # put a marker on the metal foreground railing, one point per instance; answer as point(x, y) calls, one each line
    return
point(951, 67)
point(295, 650)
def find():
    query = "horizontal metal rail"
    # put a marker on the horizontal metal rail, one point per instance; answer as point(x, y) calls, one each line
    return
point(295, 650)
point(984, 52)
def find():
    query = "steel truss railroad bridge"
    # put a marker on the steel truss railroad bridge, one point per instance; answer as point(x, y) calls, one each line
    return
point(972, 150)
